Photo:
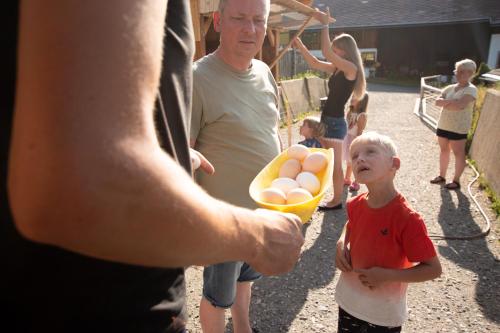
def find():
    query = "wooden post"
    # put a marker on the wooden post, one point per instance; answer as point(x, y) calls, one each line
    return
point(289, 119)
point(276, 45)
point(197, 29)
point(282, 53)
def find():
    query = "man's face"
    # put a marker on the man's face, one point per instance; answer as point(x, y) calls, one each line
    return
point(242, 26)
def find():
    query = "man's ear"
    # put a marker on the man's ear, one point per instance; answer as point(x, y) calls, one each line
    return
point(396, 162)
point(216, 17)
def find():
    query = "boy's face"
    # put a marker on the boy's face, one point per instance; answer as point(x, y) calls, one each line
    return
point(372, 163)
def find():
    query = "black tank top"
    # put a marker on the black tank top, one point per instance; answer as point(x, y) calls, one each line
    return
point(339, 91)
point(47, 289)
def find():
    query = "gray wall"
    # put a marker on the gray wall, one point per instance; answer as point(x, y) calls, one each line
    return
point(485, 149)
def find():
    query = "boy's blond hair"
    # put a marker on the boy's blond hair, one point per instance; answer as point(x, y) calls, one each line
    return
point(378, 139)
point(317, 126)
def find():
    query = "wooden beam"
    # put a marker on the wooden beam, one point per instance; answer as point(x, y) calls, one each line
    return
point(207, 21)
point(295, 5)
point(275, 61)
point(270, 37)
point(195, 16)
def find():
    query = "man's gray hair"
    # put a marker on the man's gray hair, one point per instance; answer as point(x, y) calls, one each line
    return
point(222, 5)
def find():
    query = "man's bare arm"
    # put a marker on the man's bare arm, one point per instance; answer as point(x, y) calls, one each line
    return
point(86, 172)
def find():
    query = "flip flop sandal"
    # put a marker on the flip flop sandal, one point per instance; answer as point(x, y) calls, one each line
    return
point(438, 180)
point(454, 185)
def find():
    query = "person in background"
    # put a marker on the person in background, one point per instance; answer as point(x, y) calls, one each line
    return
point(457, 102)
point(235, 125)
point(384, 244)
point(311, 129)
point(343, 61)
point(99, 214)
point(356, 123)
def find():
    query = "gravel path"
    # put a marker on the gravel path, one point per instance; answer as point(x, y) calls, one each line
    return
point(466, 298)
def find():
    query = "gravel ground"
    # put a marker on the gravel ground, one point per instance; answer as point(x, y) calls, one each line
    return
point(464, 299)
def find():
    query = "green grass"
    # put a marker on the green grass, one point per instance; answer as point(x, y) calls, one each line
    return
point(481, 94)
point(483, 183)
point(490, 193)
point(302, 76)
point(300, 117)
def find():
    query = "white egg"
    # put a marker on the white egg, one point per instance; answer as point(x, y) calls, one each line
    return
point(290, 169)
point(315, 162)
point(298, 195)
point(309, 181)
point(273, 196)
point(298, 152)
point(284, 184)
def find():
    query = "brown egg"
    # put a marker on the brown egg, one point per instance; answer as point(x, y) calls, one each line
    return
point(298, 152)
point(273, 196)
point(298, 195)
point(315, 162)
point(290, 169)
point(309, 181)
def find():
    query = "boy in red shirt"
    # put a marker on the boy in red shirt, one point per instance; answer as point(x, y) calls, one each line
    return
point(384, 245)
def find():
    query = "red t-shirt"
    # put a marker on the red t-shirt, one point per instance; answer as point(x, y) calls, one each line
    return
point(393, 236)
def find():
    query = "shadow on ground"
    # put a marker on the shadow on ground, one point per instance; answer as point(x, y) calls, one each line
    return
point(473, 255)
point(277, 301)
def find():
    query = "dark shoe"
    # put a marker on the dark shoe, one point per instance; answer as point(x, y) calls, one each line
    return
point(336, 207)
point(438, 180)
point(454, 185)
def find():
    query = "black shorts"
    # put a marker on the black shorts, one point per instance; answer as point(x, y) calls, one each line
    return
point(348, 323)
point(450, 135)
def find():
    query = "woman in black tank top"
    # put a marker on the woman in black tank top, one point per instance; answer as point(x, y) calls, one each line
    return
point(343, 61)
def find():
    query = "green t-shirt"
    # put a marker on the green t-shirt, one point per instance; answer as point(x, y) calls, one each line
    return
point(235, 125)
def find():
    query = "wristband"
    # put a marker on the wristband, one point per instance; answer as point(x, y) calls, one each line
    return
point(325, 26)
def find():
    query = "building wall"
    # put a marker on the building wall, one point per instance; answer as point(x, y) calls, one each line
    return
point(420, 50)
point(485, 148)
point(494, 54)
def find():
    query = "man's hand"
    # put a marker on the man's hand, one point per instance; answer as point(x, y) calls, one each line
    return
point(343, 257)
point(373, 277)
point(281, 242)
point(199, 161)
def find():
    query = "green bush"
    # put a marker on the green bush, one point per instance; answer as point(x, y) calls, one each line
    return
point(483, 68)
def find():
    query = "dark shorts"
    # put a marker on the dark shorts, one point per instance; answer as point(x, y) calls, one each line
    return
point(335, 127)
point(450, 135)
point(348, 323)
point(219, 282)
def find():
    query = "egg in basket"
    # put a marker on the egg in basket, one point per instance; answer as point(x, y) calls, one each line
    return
point(294, 181)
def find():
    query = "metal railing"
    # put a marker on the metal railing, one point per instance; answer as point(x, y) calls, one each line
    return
point(429, 92)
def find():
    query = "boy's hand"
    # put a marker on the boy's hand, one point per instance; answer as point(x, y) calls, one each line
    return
point(372, 277)
point(343, 258)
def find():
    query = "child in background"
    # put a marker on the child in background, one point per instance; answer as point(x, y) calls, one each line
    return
point(311, 130)
point(384, 245)
point(356, 123)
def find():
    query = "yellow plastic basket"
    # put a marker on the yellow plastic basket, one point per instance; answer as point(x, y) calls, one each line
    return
point(270, 172)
